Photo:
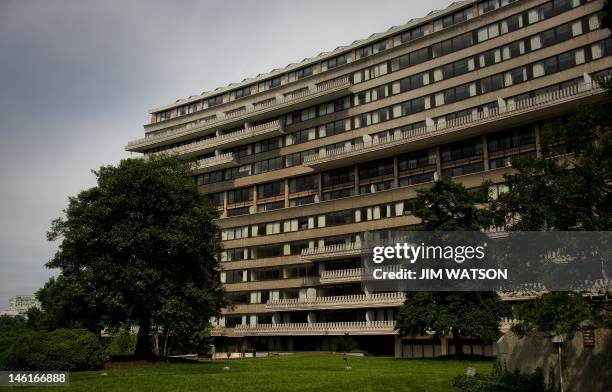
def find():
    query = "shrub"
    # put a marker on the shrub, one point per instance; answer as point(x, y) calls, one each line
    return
point(62, 349)
point(501, 380)
point(122, 344)
point(347, 344)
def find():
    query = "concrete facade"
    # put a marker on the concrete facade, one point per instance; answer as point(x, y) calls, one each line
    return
point(305, 159)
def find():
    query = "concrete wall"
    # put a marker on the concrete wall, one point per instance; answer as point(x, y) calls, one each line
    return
point(584, 368)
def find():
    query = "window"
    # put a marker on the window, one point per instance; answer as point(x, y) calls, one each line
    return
point(336, 61)
point(305, 183)
point(513, 50)
point(517, 75)
point(452, 19)
point(338, 177)
point(214, 101)
point(269, 84)
point(186, 109)
point(239, 195)
point(487, 6)
point(491, 83)
point(511, 24)
point(271, 189)
point(162, 116)
point(302, 73)
point(243, 92)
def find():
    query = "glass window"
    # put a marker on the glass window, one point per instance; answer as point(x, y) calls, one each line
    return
point(538, 69)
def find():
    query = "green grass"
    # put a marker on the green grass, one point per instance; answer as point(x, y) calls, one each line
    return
point(291, 373)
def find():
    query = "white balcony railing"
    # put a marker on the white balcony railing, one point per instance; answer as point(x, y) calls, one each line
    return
point(344, 275)
point(216, 162)
point(217, 142)
point(339, 328)
point(518, 107)
point(330, 251)
point(339, 301)
point(202, 124)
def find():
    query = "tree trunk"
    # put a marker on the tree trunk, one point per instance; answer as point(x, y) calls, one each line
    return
point(458, 344)
point(143, 340)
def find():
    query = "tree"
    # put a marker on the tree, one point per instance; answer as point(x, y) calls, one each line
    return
point(559, 312)
point(132, 244)
point(561, 192)
point(449, 206)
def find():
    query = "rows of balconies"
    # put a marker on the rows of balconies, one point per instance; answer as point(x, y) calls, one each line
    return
point(371, 147)
point(338, 302)
point(327, 90)
point(232, 139)
point(301, 329)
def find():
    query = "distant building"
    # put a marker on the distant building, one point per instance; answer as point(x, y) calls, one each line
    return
point(19, 305)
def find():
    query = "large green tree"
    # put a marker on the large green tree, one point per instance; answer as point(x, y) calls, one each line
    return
point(567, 187)
point(138, 249)
point(449, 206)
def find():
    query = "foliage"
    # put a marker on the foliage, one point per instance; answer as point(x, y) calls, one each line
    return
point(62, 349)
point(347, 343)
point(122, 344)
point(563, 192)
point(475, 314)
point(501, 380)
point(8, 323)
point(449, 206)
point(559, 312)
point(139, 248)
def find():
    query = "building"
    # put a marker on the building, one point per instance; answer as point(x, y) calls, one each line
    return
point(305, 159)
point(19, 305)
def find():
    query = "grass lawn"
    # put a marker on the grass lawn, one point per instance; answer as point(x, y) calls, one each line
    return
point(291, 373)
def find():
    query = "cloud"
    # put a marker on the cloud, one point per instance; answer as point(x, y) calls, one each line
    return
point(77, 78)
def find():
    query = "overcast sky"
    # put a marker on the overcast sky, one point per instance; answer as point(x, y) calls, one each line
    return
point(77, 79)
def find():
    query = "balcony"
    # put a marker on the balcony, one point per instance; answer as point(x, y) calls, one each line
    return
point(301, 329)
point(243, 136)
point(375, 300)
point(342, 276)
point(214, 163)
point(353, 274)
point(551, 103)
point(331, 252)
point(322, 92)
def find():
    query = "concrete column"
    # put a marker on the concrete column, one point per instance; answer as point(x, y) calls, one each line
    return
point(244, 319)
point(370, 316)
point(321, 268)
point(311, 292)
point(538, 140)
point(320, 186)
point(398, 346)
point(286, 193)
point(225, 203)
point(356, 169)
point(444, 345)
point(438, 161)
point(311, 318)
point(395, 172)
point(276, 318)
point(485, 152)
point(254, 198)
